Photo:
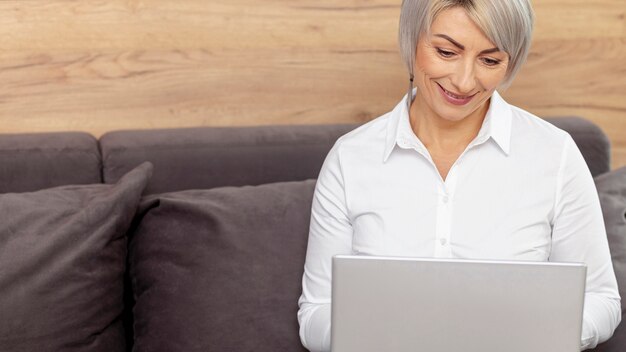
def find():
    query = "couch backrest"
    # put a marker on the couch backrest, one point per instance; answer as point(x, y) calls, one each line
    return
point(29, 162)
point(590, 139)
point(238, 156)
point(232, 156)
point(227, 156)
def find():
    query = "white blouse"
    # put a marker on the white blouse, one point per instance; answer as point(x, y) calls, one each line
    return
point(521, 190)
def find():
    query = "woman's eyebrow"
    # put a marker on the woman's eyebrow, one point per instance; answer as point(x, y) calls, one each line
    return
point(457, 44)
point(462, 47)
point(489, 51)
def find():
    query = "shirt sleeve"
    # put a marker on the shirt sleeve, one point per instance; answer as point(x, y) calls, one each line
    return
point(579, 235)
point(330, 233)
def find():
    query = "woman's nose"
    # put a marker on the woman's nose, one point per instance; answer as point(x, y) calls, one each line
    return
point(464, 79)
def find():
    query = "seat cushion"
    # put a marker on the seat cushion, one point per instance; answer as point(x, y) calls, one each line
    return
point(62, 263)
point(220, 269)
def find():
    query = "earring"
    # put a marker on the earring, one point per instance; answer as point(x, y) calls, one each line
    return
point(409, 95)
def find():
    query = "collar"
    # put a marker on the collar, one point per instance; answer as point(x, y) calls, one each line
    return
point(496, 125)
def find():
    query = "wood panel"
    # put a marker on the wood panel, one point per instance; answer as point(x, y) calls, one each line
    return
point(118, 64)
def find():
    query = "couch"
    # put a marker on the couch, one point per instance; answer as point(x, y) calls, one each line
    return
point(183, 239)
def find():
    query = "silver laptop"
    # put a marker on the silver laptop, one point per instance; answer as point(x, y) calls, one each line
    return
point(408, 304)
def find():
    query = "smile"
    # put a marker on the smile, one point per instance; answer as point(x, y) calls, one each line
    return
point(454, 98)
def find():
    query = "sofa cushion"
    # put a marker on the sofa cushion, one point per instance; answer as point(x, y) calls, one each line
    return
point(220, 269)
point(34, 161)
point(62, 262)
point(612, 191)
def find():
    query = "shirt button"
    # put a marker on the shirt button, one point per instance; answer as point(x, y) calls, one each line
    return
point(443, 241)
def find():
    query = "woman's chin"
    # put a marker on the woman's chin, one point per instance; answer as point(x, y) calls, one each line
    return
point(453, 114)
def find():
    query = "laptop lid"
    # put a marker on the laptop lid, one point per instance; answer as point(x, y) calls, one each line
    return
point(434, 305)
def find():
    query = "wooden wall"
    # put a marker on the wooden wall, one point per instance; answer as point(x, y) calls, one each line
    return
point(118, 64)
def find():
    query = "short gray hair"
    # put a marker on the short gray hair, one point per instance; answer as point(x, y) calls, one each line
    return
point(507, 23)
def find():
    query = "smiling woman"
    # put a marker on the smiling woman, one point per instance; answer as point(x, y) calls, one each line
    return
point(457, 69)
point(454, 171)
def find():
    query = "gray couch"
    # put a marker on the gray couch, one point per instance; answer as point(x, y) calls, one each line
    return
point(202, 249)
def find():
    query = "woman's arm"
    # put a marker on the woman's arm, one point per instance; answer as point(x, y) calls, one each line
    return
point(579, 235)
point(330, 234)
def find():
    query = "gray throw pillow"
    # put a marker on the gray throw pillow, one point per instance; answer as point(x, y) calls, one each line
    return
point(612, 191)
point(220, 269)
point(62, 263)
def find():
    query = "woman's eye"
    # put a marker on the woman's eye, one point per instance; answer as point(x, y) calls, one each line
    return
point(445, 53)
point(490, 62)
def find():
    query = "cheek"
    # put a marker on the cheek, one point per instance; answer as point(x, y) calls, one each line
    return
point(490, 79)
point(429, 64)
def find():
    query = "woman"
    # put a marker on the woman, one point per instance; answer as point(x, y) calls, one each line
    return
point(456, 172)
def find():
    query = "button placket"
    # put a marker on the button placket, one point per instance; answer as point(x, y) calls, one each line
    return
point(444, 214)
point(442, 236)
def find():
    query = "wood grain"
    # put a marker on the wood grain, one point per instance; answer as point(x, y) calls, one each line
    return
point(104, 65)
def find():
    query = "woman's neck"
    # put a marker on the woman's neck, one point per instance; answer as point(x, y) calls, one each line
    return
point(441, 136)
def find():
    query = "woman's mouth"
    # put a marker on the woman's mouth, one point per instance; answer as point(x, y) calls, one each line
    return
point(454, 98)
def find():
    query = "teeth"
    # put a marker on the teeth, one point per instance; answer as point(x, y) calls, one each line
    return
point(453, 95)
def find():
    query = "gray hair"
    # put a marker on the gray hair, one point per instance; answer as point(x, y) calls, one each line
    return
point(507, 23)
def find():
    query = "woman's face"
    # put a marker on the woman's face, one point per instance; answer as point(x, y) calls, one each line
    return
point(457, 67)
